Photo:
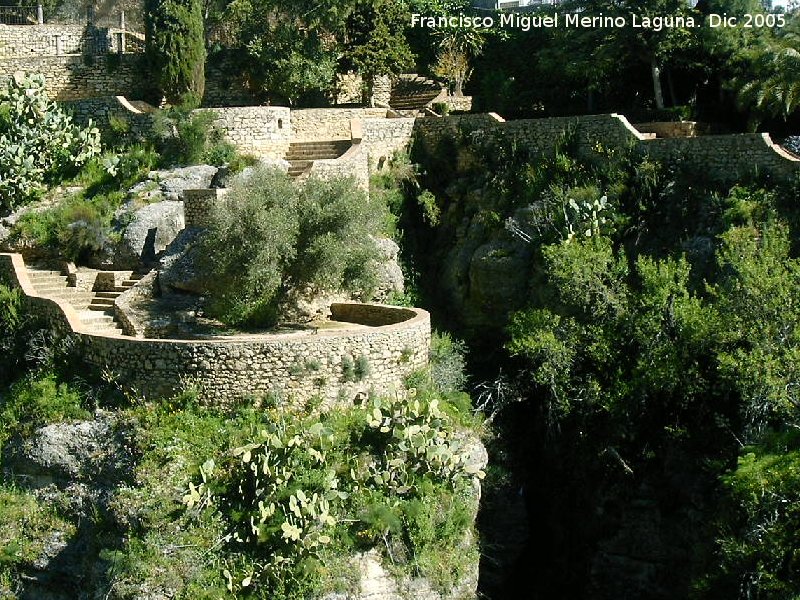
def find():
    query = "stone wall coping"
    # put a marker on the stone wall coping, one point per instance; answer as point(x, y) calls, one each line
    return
point(419, 317)
point(627, 125)
point(25, 284)
point(780, 150)
point(356, 131)
point(125, 103)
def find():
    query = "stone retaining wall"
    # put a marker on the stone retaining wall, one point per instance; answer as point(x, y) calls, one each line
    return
point(78, 77)
point(724, 158)
point(333, 365)
point(727, 157)
point(101, 110)
point(381, 138)
point(259, 130)
point(55, 40)
point(324, 124)
point(353, 163)
point(672, 129)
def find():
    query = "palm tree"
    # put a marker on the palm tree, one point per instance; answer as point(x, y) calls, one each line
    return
point(773, 85)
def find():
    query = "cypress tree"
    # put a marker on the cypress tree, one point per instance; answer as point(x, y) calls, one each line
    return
point(176, 50)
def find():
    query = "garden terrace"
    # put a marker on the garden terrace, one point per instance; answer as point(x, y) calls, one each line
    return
point(367, 348)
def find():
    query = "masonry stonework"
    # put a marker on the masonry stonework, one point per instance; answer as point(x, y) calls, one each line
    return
point(724, 158)
point(312, 124)
point(53, 40)
point(76, 77)
point(259, 130)
point(376, 348)
point(381, 138)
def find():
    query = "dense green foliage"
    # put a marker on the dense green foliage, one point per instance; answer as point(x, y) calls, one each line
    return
point(728, 75)
point(295, 50)
point(272, 238)
point(182, 137)
point(28, 526)
point(39, 144)
point(759, 547)
point(308, 488)
point(658, 332)
point(176, 50)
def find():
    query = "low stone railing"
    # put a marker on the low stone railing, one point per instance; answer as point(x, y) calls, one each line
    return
point(373, 348)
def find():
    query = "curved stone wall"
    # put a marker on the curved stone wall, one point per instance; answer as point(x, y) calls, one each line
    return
point(374, 349)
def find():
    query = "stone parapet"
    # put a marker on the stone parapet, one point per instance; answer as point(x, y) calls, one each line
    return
point(324, 124)
point(372, 349)
point(28, 41)
point(258, 130)
point(723, 158)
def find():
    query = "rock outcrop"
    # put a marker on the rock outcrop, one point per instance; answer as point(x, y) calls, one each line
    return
point(151, 229)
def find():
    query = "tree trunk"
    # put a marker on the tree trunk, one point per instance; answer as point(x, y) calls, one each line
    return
point(673, 98)
point(655, 71)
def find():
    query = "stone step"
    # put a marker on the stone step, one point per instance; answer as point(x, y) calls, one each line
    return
point(316, 151)
point(312, 155)
point(60, 292)
point(101, 304)
point(94, 316)
point(110, 295)
point(44, 272)
point(72, 297)
point(37, 277)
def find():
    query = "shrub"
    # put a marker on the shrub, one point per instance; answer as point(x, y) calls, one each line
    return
point(394, 473)
point(39, 144)
point(759, 553)
point(28, 528)
point(447, 363)
point(75, 229)
point(35, 401)
point(184, 137)
point(12, 323)
point(271, 238)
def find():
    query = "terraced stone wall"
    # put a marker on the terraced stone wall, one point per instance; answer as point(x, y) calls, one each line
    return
point(322, 124)
point(724, 158)
point(55, 39)
point(77, 77)
point(259, 130)
point(381, 138)
point(384, 345)
point(727, 157)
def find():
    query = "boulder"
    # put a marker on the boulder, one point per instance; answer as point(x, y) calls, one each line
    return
point(151, 230)
point(390, 275)
point(178, 268)
point(497, 282)
point(65, 453)
point(173, 182)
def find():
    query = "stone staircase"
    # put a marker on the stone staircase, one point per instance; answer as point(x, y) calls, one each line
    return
point(302, 154)
point(94, 309)
point(412, 93)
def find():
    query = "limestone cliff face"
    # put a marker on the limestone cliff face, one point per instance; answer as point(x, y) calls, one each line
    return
point(480, 271)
